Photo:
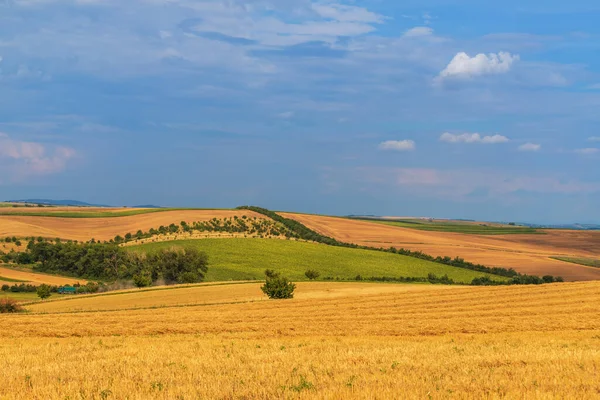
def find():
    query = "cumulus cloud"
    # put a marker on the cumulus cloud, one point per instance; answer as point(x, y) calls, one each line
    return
point(31, 158)
point(419, 31)
point(588, 151)
point(530, 147)
point(472, 138)
point(464, 66)
point(398, 145)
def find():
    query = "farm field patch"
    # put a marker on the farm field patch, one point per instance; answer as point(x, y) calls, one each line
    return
point(443, 342)
point(530, 254)
point(589, 262)
point(215, 293)
point(243, 259)
point(11, 276)
point(472, 228)
point(104, 228)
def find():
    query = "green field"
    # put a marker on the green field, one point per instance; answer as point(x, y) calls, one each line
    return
point(588, 262)
point(94, 214)
point(243, 259)
point(29, 297)
point(3, 279)
point(456, 227)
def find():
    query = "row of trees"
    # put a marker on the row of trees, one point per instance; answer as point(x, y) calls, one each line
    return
point(303, 232)
point(111, 262)
point(244, 224)
point(90, 287)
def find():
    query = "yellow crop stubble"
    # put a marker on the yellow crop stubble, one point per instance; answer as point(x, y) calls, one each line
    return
point(514, 342)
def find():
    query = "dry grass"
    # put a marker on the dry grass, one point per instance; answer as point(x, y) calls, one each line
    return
point(104, 228)
point(36, 278)
point(217, 293)
point(526, 253)
point(416, 342)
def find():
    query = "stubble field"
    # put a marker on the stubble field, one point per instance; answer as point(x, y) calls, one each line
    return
point(421, 342)
point(104, 228)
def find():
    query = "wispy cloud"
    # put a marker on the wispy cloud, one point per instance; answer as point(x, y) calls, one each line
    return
point(588, 151)
point(419, 31)
point(473, 138)
point(459, 184)
point(530, 147)
point(398, 145)
point(464, 66)
point(31, 158)
point(594, 139)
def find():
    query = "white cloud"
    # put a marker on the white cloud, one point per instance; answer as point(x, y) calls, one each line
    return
point(286, 115)
point(419, 31)
point(472, 138)
point(398, 145)
point(32, 158)
point(464, 66)
point(530, 147)
point(587, 151)
point(339, 12)
point(594, 139)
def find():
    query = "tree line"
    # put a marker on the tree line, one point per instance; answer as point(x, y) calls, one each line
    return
point(108, 261)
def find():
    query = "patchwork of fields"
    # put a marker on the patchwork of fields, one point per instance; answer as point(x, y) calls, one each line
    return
point(529, 254)
point(360, 341)
point(104, 228)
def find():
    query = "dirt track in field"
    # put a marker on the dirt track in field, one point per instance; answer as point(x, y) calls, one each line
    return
point(525, 253)
point(105, 228)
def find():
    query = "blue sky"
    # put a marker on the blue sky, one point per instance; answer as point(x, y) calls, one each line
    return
point(442, 108)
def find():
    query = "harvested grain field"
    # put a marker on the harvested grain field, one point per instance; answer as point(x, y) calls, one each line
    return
point(217, 293)
point(105, 228)
point(25, 276)
point(525, 253)
point(534, 342)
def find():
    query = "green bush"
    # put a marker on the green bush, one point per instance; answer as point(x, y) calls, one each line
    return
point(312, 274)
point(277, 286)
point(43, 291)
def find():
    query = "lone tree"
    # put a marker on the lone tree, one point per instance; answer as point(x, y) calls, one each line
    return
point(312, 274)
point(277, 286)
point(43, 291)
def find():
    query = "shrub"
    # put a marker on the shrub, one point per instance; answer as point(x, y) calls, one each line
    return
point(43, 291)
point(277, 286)
point(312, 274)
point(143, 279)
point(5, 288)
point(9, 306)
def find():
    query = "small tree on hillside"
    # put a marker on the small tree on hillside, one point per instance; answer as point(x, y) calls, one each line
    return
point(312, 274)
point(142, 279)
point(277, 286)
point(43, 291)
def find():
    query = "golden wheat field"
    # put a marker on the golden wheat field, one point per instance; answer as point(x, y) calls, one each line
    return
point(14, 275)
point(104, 228)
point(422, 341)
point(525, 253)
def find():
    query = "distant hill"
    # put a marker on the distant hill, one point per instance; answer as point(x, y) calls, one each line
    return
point(75, 203)
point(57, 202)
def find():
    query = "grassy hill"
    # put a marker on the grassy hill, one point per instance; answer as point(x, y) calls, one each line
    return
point(241, 259)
